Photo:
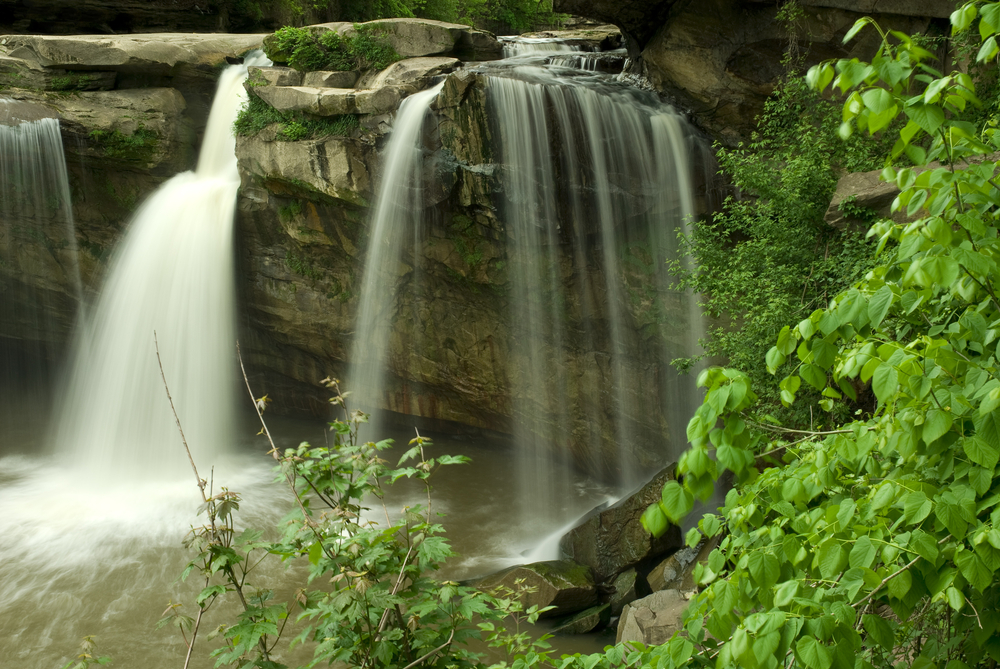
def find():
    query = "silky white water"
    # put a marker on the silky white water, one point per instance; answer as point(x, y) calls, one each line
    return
point(173, 276)
point(396, 223)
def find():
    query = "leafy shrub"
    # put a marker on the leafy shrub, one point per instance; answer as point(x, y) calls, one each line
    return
point(365, 49)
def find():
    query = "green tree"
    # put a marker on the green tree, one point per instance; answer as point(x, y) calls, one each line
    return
point(872, 542)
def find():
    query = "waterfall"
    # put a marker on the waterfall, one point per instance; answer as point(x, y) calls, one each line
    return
point(622, 195)
point(398, 218)
point(37, 238)
point(173, 275)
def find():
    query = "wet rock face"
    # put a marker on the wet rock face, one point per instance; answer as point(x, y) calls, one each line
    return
point(612, 540)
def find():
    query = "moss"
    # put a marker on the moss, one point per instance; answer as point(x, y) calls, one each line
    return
point(139, 146)
point(467, 240)
point(302, 266)
point(286, 214)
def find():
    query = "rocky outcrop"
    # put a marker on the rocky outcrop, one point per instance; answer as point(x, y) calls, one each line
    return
point(611, 540)
point(652, 620)
point(637, 19)
point(563, 584)
point(590, 620)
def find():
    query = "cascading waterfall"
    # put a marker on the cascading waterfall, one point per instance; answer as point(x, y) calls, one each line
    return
point(398, 219)
point(596, 185)
point(172, 275)
point(623, 193)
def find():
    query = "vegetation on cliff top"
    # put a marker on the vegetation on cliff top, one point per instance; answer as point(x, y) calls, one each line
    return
point(305, 50)
point(502, 16)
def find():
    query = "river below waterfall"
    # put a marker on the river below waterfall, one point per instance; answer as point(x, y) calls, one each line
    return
point(105, 559)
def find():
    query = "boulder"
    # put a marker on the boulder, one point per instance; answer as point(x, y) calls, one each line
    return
point(24, 73)
point(326, 79)
point(868, 191)
point(335, 167)
point(611, 540)
point(564, 584)
point(276, 75)
point(585, 621)
point(16, 112)
point(331, 101)
point(411, 73)
point(652, 620)
point(622, 591)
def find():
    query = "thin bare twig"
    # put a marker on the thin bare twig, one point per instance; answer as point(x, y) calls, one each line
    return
point(201, 482)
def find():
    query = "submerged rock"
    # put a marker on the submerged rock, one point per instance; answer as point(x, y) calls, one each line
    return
point(564, 584)
point(610, 540)
point(585, 621)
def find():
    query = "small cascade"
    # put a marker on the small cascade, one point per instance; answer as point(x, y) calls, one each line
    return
point(611, 199)
point(38, 259)
point(173, 274)
point(524, 46)
point(397, 223)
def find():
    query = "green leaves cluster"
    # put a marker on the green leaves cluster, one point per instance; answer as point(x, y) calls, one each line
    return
point(875, 540)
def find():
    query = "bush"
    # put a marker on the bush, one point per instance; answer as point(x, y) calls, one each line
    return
point(365, 49)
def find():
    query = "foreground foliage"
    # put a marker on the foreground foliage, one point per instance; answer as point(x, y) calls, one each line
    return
point(877, 541)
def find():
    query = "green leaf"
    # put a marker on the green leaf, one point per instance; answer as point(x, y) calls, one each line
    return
point(928, 117)
point(654, 520)
point(812, 653)
point(880, 630)
point(916, 507)
point(980, 452)
point(676, 501)
point(980, 479)
point(879, 304)
point(862, 553)
point(785, 593)
point(988, 50)
point(936, 425)
point(962, 18)
point(956, 599)
point(831, 558)
point(764, 568)
point(813, 375)
point(924, 545)
point(856, 28)
point(885, 381)
point(974, 570)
